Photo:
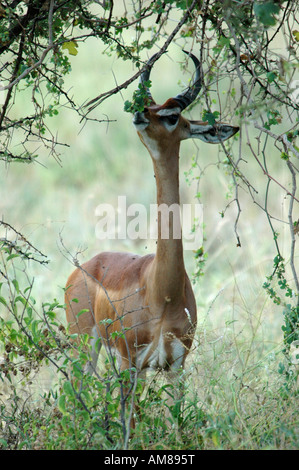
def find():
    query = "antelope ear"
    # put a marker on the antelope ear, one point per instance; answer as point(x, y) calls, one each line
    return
point(211, 134)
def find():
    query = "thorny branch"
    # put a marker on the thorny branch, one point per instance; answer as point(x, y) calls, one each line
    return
point(126, 390)
point(33, 56)
point(264, 100)
point(21, 245)
point(291, 225)
point(103, 96)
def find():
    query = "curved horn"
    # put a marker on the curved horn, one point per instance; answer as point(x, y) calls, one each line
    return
point(144, 77)
point(189, 95)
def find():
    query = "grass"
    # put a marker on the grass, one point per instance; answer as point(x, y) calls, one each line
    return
point(235, 399)
point(235, 396)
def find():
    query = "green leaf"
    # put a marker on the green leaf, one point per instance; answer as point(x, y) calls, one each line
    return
point(12, 257)
point(3, 443)
point(71, 47)
point(68, 389)
point(265, 12)
point(84, 310)
point(34, 328)
point(65, 424)
point(111, 408)
point(88, 399)
point(16, 285)
point(271, 76)
point(295, 33)
point(284, 156)
point(62, 405)
point(21, 299)
point(281, 368)
point(51, 315)
point(140, 98)
point(210, 117)
point(128, 106)
point(223, 42)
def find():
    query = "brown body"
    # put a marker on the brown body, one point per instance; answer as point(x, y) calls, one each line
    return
point(115, 286)
point(149, 298)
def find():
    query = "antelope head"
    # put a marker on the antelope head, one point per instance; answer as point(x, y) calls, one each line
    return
point(161, 126)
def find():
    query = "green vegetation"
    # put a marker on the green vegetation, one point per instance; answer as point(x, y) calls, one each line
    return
point(236, 396)
point(70, 71)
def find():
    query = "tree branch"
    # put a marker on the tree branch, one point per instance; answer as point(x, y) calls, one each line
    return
point(103, 96)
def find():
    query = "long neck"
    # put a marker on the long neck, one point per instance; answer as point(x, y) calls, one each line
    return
point(168, 268)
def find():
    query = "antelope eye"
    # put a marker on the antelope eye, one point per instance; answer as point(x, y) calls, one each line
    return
point(171, 119)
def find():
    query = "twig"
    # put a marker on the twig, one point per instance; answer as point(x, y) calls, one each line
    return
point(280, 138)
point(29, 69)
point(103, 96)
point(50, 22)
point(291, 225)
point(21, 237)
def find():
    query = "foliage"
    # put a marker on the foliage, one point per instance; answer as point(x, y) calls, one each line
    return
point(140, 98)
point(246, 80)
point(71, 414)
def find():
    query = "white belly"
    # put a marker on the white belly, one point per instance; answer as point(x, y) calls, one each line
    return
point(159, 359)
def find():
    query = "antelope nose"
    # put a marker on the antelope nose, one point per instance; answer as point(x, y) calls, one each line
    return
point(138, 118)
point(140, 121)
